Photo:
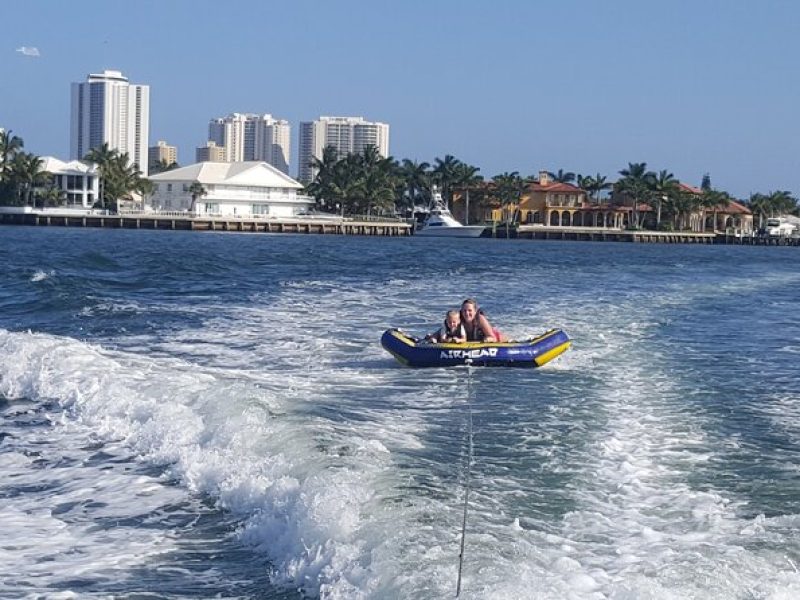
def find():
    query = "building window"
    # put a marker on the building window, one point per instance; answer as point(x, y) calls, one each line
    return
point(212, 208)
point(260, 209)
point(169, 187)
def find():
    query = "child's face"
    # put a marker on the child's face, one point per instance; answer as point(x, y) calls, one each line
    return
point(452, 322)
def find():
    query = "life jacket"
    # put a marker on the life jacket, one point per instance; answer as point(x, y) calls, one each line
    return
point(446, 332)
point(474, 334)
point(477, 334)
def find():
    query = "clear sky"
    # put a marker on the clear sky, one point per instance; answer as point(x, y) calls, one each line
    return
point(506, 85)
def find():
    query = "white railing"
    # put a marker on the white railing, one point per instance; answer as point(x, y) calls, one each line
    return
point(129, 212)
point(327, 217)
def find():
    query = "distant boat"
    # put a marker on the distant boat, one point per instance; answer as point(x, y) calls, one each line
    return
point(441, 223)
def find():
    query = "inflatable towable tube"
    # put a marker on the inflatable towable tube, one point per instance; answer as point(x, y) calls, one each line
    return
point(533, 352)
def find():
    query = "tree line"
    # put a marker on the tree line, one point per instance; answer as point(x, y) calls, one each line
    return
point(23, 180)
point(368, 183)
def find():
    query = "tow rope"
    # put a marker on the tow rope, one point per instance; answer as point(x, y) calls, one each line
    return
point(467, 476)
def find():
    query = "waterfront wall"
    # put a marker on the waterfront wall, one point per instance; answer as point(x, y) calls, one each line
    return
point(340, 226)
point(167, 222)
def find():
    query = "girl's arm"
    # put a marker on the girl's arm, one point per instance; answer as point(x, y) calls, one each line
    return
point(488, 332)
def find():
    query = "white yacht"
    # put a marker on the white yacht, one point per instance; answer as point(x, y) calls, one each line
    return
point(440, 222)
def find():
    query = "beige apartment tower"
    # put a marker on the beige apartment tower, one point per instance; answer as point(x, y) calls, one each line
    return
point(248, 137)
point(162, 152)
point(210, 153)
point(349, 135)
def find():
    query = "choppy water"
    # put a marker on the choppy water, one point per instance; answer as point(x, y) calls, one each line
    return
point(211, 415)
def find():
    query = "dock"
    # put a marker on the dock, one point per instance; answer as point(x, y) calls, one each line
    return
point(374, 226)
point(606, 234)
point(175, 222)
point(599, 234)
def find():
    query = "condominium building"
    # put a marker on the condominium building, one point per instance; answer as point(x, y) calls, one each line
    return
point(162, 152)
point(209, 153)
point(348, 135)
point(250, 137)
point(106, 109)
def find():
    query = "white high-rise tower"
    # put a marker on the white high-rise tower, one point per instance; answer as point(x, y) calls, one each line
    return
point(349, 135)
point(109, 110)
point(253, 137)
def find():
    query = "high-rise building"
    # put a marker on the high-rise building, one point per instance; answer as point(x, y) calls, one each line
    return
point(109, 110)
point(349, 135)
point(247, 137)
point(161, 152)
point(209, 153)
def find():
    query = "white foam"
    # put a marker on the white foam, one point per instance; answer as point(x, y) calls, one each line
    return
point(347, 472)
point(40, 275)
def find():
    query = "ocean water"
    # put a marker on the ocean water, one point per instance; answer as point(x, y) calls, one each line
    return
point(212, 416)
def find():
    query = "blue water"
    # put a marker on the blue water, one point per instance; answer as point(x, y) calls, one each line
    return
point(196, 415)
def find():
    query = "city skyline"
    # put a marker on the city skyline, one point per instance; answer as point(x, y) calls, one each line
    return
point(706, 88)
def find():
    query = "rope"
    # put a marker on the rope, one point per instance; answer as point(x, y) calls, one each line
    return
point(466, 479)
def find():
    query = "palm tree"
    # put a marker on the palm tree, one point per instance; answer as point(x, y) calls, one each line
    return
point(467, 178)
point(9, 146)
point(600, 183)
point(635, 184)
point(682, 203)
point(163, 166)
point(562, 176)
point(324, 171)
point(380, 179)
point(197, 190)
point(52, 196)
point(444, 174)
point(759, 205)
point(348, 184)
point(782, 203)
point(663, 186)
point(594, 186)
point(121, 179)
point(27, 171)
point(416, 179)
point(713, 199)
point(102, 156)
point(509, 189)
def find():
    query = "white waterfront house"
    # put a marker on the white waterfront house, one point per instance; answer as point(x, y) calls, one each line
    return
point(78, 180)
point(237, 189)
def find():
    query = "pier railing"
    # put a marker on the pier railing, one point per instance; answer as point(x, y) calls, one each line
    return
point(329, 217)
point(174, 220)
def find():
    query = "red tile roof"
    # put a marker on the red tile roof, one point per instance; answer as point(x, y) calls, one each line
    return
point(555, 187)
point(685, 187)
point(736, 208)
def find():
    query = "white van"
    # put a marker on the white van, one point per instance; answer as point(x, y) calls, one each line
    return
point(779, 227)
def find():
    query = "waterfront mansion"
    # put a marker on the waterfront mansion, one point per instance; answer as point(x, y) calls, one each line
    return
point(238, 189)
point(545, 203)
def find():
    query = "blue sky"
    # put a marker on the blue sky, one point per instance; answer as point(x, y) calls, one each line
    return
point(587, 86)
